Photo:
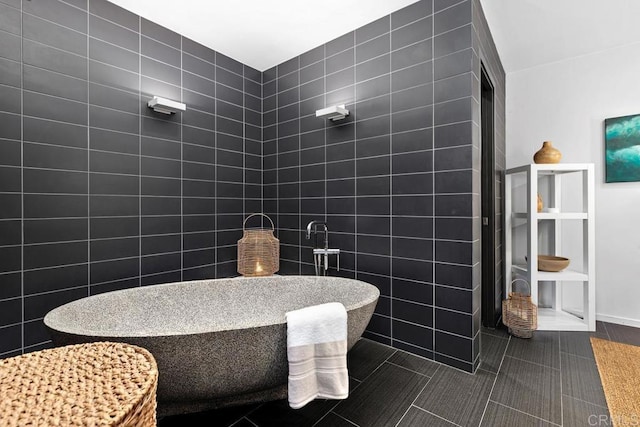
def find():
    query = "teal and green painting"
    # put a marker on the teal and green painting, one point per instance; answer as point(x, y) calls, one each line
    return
point(622, 148)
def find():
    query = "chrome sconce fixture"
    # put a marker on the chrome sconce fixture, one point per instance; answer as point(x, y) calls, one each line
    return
point(165, 106)
point(337, 112)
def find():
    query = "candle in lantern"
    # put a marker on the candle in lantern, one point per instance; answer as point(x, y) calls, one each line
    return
point(258, 267)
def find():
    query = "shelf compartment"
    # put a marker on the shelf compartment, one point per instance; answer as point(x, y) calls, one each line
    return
point(550, 215)
point(567, 275)
point(558, 320)
point(564, 275)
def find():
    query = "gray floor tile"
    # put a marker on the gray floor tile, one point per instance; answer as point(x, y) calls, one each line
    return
point(383, 398)
point(418, 417)
point(601, 329)
point(526, 387)
point(365, 357)
point(498, 415)
point(577, 413)
point(457, 396)
point(578, 343)
point(244, 423)
point(543, 348)
point(492, 349)
point(278, 413)
point(581, 379)
point(333, 420)
point(414, 363)
point(530, 388)
point(215, 418)
point(500, 332)
point(623, 334)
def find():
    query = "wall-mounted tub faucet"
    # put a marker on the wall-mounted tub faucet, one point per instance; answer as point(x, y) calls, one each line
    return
point(321, 254)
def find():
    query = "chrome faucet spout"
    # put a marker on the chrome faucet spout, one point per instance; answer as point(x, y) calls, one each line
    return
point(313, 227)
point(309, 226)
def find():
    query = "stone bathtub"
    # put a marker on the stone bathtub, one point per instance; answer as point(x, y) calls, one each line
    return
point(217, 342)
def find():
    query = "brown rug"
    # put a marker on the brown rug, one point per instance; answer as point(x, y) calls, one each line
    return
point(619, 367)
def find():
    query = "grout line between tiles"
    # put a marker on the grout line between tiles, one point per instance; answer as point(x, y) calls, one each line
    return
point(391, 228)
point(88, 131)
point(411, 370)
point(299, 172)
point(30, 346)
point(584, 401)
point(379, 366)
point(525, 413)
point(140, 120)
point(435, 415)
point(604, 325)
point(349, 421)
point(575, 355)
point(495, 380)
point(181, 166)
point(22, 319)
point(560, 369)
point(533, 363)
point(237, 422)
point(330, 411)
point(416, 398)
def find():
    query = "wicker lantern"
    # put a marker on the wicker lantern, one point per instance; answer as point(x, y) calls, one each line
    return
point(520, 314)
point(258, 250)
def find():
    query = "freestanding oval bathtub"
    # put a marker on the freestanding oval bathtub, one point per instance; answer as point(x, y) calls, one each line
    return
point(217, 342)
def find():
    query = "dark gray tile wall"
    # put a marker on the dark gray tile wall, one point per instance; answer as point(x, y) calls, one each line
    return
point(398, 180)
point(97, 192)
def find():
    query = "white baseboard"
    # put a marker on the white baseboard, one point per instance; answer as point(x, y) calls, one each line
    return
point(619, 320)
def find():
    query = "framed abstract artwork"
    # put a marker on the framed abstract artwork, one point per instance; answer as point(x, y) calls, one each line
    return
point(622, 148)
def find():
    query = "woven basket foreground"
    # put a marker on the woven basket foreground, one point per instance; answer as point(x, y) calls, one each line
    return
point(96, 384)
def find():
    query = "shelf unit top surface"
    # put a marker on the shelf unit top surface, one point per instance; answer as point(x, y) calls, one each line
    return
point(552, 215)
point(551, 168)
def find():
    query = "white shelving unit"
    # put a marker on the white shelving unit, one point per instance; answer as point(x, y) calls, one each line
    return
point(554, 317)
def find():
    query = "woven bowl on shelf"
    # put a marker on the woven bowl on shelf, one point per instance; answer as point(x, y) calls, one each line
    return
point(552, 263)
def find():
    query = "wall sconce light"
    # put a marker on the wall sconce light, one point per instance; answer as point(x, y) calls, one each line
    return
point(258, 250)
point(166, 106)
point(337, 112)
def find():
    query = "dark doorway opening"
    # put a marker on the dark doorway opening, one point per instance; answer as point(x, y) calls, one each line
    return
point(491, 291)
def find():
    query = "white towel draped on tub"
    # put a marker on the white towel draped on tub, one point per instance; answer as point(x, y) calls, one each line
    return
point(317, 353)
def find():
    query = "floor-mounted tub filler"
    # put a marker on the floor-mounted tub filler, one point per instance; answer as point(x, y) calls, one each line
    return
point(217, 342)
point(322, 251)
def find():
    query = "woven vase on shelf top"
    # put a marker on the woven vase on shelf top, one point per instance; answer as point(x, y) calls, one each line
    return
point(547, 154)
point(540, 203)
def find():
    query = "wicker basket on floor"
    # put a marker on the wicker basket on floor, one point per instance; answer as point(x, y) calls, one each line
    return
point(95, 384)
point(520, 314)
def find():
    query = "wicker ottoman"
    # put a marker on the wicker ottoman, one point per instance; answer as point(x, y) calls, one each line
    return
point(96, 384)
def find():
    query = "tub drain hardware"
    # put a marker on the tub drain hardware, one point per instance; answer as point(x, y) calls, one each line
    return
point(258, 250)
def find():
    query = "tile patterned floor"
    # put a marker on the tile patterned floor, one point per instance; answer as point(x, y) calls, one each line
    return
point(549, 380)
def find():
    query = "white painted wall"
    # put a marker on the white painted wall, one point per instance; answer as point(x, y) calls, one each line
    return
point(566, 102)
